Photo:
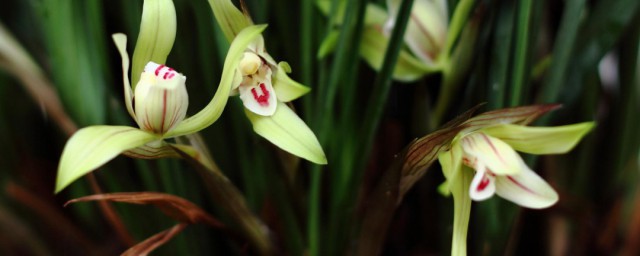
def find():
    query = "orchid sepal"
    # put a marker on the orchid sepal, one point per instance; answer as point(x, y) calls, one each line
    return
point(157, 35)
point(287, 131)
point(92, 146)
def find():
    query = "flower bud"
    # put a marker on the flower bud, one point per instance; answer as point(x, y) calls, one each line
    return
point(160, 98)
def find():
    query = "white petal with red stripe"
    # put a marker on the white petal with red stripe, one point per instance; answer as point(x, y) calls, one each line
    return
point(492, 153)
point(526, 189)
point(161, 98)
point(483, 185)
point(257, 93)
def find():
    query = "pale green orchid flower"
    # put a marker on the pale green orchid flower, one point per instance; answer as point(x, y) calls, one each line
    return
point(427, 28)
point(264, 88)
point(425, 35)
point(160, 107)
point(483, 161)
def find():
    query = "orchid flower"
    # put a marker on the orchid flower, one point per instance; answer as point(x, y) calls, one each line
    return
point(161, 102)
point(425, 36)
point(264, 88)
point(482, 161)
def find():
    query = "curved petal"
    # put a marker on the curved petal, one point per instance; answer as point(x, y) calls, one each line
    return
point(231, 20)
point(287, 131)
point(482, 151)
point(213, 110)
point(156, 37)
point(526, 189)
point(93, 146)
point(540, 140)
point(483, 185)
point(121, 43)
point(286, 88)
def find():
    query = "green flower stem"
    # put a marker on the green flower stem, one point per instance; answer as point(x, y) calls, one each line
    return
point(458, 21)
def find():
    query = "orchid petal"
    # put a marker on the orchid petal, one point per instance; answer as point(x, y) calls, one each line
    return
point(483, 185)
point(286, 88)
point(121, 43)
point(482, 150)
point(408, 68)
point(526, 189)
point(161, 99)
point(156, 37)
point(213, 110)
point(427, 28)
point(258, 95)
point(91, 147)
point(231, 20)
point(287, 131)
point(540, 140)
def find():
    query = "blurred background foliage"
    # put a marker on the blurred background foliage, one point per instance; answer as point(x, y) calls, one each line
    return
point(582, 54)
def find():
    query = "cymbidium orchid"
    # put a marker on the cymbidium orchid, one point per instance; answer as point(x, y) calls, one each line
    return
point(482, 161)
point(425, 36)
point(158, 104)
point(264, 88)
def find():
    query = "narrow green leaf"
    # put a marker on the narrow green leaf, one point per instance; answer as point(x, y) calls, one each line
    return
point(287, 131)
point(91, 147)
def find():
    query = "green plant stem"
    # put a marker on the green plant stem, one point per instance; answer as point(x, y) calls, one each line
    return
point(313, 225)
point(458, 20)
point(520, 74)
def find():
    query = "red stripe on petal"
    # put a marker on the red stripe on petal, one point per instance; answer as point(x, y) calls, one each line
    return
point(520, 185)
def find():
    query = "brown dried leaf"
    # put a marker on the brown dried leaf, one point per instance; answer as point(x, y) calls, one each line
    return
point(151, 243)
point(175, 207)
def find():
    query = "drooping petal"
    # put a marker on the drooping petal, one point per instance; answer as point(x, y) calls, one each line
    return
point(121, 43)
point(482, 150)
point(287, 131)
point(540, 140)
point(213, 110)
point(161, 99)
point(526, 189)
point(91, 147)
point(230, 19)
point(286, 88)
point(257, 93)
point(483, 185)
point(156, 37)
